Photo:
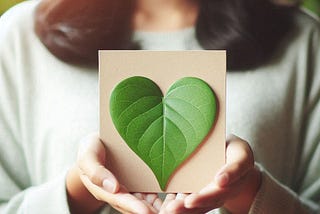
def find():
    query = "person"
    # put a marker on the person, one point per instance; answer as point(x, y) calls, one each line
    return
point(49, 102)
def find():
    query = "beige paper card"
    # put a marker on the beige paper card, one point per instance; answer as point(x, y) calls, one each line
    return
point(164, 68)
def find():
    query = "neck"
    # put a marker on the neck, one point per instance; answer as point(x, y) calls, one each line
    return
point(165, 15)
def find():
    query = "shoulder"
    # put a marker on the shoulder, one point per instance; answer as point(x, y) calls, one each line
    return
point(17, 24)
point(301, 43)
point(17, 36)
point(21, 14)
point(305, 16)
point(306, 27)
point(305, 38)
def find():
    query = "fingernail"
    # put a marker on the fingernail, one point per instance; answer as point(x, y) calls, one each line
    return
point(222, 179)
point(157, 204)
point(180, 196)
point(188, 205)
point(189, 202)
point(108, 186)
point(151, 198)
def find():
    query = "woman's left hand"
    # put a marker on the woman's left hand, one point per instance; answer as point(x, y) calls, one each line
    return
point(234, 187)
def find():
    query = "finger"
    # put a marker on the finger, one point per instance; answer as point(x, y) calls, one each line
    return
point(170, 197)
point(122, 201)
point(181, 196)
point(138, 195)
point(157, 204)
point(91, 160)
point(177, 207)
point(239, 160)
point(213, 196)
point(150, 206)
point(174, 203)
point(210, 196)
point(152, 199)
point(193, 211)
point(128, 203)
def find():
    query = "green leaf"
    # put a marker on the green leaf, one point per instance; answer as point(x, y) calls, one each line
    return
point(163, 131)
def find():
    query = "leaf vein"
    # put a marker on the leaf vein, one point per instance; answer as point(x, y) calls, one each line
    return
point(164, 143)
point(131, 121)
point(133, 104)
point(203, 116)
point(183, 118)
point(183, 86)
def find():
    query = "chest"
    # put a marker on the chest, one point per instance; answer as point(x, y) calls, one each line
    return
point(260, 110)
point(60, 108)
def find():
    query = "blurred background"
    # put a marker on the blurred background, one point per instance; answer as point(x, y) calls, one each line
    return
point(313, 5)
point(6, 4)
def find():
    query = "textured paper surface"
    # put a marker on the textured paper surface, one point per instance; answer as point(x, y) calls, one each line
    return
point(164, 68)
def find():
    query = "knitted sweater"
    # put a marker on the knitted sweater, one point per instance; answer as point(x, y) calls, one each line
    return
point(47, 106)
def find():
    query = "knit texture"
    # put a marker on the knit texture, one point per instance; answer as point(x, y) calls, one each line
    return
point(47, 106)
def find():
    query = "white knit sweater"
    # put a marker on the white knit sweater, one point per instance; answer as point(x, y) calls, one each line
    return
point(47, 106)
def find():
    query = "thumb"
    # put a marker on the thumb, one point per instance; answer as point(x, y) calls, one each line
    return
point(239, 160)
point(91, 160)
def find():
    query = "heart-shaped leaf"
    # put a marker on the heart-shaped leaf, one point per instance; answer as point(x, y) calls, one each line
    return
point(163, 131)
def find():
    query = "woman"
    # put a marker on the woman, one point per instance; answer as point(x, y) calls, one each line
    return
point(49, 93)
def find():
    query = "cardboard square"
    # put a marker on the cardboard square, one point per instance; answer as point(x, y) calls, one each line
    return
point(164, 68)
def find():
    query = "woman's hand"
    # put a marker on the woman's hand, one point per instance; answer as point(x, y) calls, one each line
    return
point(90, 185)
point(234, 187)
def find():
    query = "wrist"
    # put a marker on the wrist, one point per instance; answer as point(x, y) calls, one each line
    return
point(243, 201)
point(80, 200)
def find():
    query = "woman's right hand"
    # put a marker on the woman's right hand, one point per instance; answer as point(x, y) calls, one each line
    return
point(90, 178)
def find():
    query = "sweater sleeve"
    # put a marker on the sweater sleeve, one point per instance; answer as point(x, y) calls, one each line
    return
point(49, 197)
point(273, 197)
point(304, 195)
point(19, 193)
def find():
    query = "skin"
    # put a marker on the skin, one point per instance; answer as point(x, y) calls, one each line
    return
point(90, 184)
point(234, 187)
point(165, 15)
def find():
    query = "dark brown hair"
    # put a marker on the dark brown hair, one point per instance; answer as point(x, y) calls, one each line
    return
point(250, 30)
